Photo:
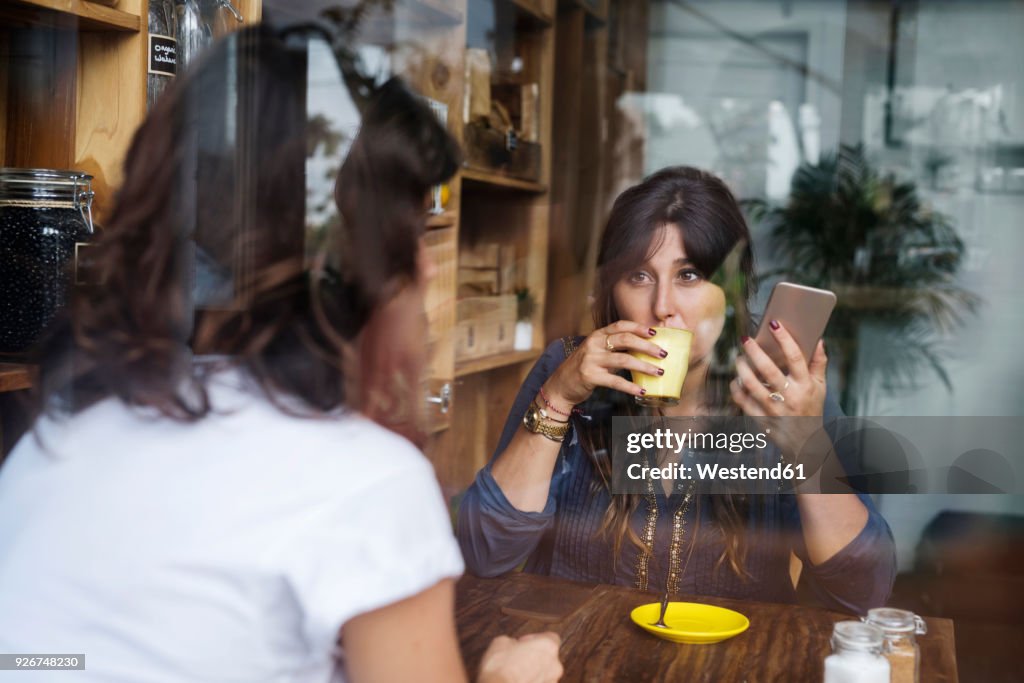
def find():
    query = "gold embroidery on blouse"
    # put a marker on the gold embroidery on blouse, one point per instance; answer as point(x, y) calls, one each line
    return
point(643, 560)
point(675, 549)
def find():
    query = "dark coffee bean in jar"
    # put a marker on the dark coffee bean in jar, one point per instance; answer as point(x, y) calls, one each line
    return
point(45, 219)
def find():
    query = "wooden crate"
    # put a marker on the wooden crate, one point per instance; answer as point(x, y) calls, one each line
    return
point(492, 150)
point(485, 325)
point(487, 269)
point(442, 247)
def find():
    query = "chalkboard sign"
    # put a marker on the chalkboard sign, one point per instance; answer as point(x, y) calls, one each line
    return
point(163, 55)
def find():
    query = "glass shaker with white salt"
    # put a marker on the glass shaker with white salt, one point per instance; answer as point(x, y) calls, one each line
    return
point(856, 654)
point(900, 628)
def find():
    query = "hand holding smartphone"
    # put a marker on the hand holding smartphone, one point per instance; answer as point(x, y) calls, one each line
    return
point(803, 311)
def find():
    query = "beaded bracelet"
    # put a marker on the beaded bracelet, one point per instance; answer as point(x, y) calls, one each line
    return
point(544, 397)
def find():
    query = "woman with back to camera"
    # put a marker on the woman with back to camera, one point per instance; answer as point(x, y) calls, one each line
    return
point(545, 497)
point(268, 515)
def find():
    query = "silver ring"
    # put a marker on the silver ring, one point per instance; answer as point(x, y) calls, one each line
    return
point(768, 385)
point(608, 343)
point(777, 397)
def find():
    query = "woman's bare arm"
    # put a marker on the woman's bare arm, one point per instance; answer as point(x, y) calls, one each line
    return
point(410, 640)
point(415, 640)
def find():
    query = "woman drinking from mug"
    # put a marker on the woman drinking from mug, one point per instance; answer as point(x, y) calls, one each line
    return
point(545, 497)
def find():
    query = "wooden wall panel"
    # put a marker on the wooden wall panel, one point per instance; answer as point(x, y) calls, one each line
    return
point(41, 93)
point(428, 53)
point(5, 68)
point(111, 105)
point(135, 7)
point(251, 10)
point(599, 152)
point(482, 404)
point(563, 309)
point(595, 165)
point(442, 248)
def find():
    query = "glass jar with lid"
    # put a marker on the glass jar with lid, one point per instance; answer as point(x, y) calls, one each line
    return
point(900, 628)
point(856, 654)
point(45, 218)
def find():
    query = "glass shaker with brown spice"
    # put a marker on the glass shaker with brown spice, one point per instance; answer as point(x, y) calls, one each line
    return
point(900, 628)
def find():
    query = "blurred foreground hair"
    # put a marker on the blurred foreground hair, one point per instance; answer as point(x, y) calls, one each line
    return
point(215, 183)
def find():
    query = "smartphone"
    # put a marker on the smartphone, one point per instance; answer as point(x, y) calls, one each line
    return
point(803, 311)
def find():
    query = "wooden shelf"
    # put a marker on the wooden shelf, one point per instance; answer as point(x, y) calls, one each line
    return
point(471, 367)
point(443, 220)
point(597, 10)
point(533, 10)
point(495, 180)
point(15, 376)
point(92, 16)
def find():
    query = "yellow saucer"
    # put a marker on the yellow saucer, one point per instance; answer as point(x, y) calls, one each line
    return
point(691, 622)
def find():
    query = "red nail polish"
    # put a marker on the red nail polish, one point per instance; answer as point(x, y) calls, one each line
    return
point(652, 331)
point(664, 353)
point(774, 324)
point(643, 391)
point(661, 371)
point(744, 339)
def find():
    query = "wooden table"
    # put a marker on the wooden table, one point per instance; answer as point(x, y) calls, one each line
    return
point(785, 643)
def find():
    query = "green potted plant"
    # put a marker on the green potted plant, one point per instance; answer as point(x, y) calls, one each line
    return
point(891, 260)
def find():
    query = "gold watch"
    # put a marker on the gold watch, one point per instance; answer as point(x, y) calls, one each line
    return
point(536, 420)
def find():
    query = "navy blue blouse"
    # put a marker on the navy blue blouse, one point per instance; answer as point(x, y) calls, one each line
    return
point(564, 540)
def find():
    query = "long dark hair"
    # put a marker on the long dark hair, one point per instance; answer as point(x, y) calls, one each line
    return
point(201, 180)
point(714, 230)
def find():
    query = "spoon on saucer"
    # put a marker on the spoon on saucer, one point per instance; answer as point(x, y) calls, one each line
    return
point(660, 623)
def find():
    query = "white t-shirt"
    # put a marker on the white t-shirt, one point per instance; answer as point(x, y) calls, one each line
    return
point(232, 549)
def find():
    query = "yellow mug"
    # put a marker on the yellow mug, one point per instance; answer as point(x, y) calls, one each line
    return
point(664, 390)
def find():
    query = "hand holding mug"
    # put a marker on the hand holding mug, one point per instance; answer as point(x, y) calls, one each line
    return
point(598, 359)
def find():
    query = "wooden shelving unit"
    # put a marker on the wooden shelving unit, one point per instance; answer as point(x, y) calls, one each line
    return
point(501, 360)
point(484, 205)
point(537, 10)
point(15, 376)
point(584, 54)
point(598, 9)
point(92, 16)
point(75, 88)
point(601, 56)
point(443, 220)
point(72, 94)
point(476, 176)
point(94, 88)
